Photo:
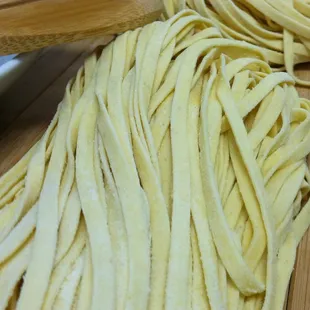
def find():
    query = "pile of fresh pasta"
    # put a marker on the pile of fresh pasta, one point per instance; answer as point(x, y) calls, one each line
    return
point(280, 27)
point(173, 176)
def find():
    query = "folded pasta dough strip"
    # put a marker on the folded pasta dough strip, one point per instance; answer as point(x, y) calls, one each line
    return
point(68, 224)
point(84, 292)
point(16, 173)
point(287, 194)
point(12, 271)
point(178, 277)
point(7, 213)
point(199, 296)
point(94, 208)
point(160, 97)
point(62, 269)
point(258, 241)
point(206, 248)
point(65, 298)
point(276, 182)
point(250, 101)
point(285, 264)
point(165, 166)
point(146, 82)
point(264, 123)
point(19, 235)
point(160, 121)
point(71, 138)
point(113, 83)
point(47, 220)
point(11, 195)
point(117, 229)
point(133, 204)
point(241, 136)
point(255, 301)
point(78, 103)
point(242, 276)
point(233, 210)
point(147, 165)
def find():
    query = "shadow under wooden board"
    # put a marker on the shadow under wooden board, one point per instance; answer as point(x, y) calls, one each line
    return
point(27, 108)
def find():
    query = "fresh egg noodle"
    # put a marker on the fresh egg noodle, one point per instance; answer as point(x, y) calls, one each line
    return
point(173, 176)
point(280, 27)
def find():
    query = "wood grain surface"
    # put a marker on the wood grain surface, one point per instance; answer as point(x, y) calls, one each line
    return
point(27, 108)
point(29, 25)
point(299, 289)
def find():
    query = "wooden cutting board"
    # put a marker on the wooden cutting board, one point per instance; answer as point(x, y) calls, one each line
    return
point(27, 25)
point(27, 108)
